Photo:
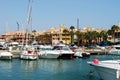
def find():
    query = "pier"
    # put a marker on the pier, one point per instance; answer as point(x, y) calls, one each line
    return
point(97, 51)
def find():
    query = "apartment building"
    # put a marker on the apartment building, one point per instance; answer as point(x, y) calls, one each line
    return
point(54, 35)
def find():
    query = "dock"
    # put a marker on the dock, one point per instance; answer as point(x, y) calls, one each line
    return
point(97, 51)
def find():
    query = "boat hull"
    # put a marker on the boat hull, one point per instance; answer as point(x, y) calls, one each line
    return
point(85, 55)
point(66, 56)
point(107, 73)
point(108, 69)
point(6, 55)
point(28, 57)
point(82, 54)
point(116, 52)
point(49, 54)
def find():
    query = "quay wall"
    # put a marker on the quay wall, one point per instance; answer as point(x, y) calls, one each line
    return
point(97, 51)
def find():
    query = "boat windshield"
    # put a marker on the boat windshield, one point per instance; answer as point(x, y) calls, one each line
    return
point(117, 47)
point(60, 48)
point(46, 49)
point(56, 48)
point(66, 48)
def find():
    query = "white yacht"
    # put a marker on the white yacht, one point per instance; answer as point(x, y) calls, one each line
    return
point(29, 53)
point(6, 55)
point(65, 51)
point(56, 52)
point(47, 52)
point(115, 50)
point(81, 54)
point(108, 69)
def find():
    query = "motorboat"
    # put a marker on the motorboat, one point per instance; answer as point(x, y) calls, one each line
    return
point(29, 53)
point(47, 52)
point(11, 47)
point(115, 50)
point(64, 50)
point(81, 54)
point(56, 52)
point(6, 55)
point(107, 69)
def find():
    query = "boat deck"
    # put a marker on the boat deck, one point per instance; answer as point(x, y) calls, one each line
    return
point(113, 64)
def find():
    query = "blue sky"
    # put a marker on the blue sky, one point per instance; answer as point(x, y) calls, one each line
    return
point(48, 13)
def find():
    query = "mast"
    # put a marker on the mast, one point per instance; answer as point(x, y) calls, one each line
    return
point(6, 27)
point(28, 20)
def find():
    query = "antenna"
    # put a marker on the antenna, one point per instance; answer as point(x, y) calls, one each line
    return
point(77, 23)
point(6, 30)
point(18, 26)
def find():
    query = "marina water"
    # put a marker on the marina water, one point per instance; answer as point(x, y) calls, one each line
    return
point(51, 69)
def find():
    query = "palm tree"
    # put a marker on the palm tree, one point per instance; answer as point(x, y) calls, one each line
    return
point(114, 28)
point(110, 32)
point(45, 38)
point(80, 37)
point(103, 35)
point(88, 37)
point(34, 31)
point(94, 36)
point(72, 34)
point(48, 38)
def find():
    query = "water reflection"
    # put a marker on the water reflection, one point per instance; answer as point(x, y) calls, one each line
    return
point(5, 64)
point(55, 65)
point(49, 65)
point(5, 68)
point(29, 65)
